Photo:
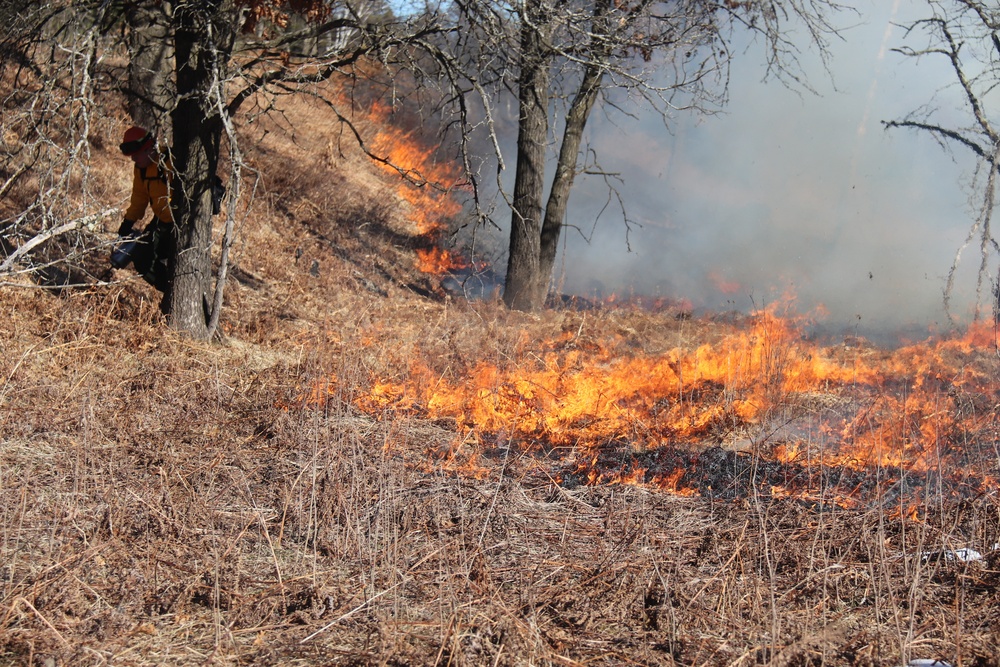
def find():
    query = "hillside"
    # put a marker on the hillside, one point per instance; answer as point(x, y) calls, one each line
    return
point(367, 470)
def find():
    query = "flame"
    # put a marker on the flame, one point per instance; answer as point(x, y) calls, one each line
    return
point(925, 408)
point(429, 187)
point(722, 284)
point(439, 261)
point(672, 483)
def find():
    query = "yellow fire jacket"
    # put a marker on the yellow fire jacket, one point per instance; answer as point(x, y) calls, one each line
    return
point(151, 187)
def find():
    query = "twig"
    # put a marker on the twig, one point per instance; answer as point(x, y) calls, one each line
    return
point(42, 619)
point(348, 614)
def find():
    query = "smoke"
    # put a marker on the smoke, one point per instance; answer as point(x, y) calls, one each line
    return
point(783, 193)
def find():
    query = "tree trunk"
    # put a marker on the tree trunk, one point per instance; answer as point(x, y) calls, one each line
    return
point(569, 153)
point(537, 243)
point(150, 84)
point(524, 289)
point(197, 133)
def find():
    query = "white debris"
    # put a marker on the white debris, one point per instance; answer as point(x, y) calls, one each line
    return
point(963, 555)
point(927, 662)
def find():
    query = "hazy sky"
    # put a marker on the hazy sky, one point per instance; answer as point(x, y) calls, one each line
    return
point(787, 191)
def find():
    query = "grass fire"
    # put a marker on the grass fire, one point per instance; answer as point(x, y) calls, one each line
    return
point(920, 414)
point(365, 469)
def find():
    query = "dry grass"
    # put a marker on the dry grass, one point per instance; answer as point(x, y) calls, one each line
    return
point(169, 502)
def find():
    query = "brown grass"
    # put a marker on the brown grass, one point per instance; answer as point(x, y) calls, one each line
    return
point(169, 502)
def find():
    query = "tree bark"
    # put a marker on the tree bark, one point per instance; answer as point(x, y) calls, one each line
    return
point(528, 277)
point(522, 289)
point(562, 183)
point(150, 84)
point(197, 134)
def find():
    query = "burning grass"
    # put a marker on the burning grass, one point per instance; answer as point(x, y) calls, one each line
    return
point(365, 471)
point(848, 426)
point(167, 502)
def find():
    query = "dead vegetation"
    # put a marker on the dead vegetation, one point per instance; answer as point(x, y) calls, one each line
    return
point(169, 502)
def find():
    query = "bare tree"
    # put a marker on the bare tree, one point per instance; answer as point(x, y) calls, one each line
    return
point(551, 54)
point(47, 117)
point(151, 89)
point(965, 34)
point(562, 57)
point(192, 67)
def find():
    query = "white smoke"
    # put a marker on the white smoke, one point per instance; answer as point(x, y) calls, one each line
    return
point(788, 191)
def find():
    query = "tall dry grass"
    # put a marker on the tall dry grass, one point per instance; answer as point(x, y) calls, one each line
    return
point(171, 502)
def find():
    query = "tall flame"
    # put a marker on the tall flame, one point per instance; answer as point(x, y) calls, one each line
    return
point(428, 186)
point(923, 407)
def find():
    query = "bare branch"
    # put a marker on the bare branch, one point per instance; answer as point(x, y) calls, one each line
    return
point(965, 32)
point(937, 129)
point(42, 237)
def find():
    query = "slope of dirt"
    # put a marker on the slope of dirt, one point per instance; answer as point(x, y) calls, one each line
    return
point(251, 501)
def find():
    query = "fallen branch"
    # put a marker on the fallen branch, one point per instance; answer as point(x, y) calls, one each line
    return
point(42, 237)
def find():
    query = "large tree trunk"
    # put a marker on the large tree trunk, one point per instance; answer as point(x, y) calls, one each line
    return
point(524, 289)
point(537, 244)
point(150, 68)
point(197, 133)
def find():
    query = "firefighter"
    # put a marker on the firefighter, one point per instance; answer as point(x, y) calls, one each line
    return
point(152, 251)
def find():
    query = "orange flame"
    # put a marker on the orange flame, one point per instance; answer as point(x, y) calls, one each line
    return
point(723, 284)
point(921, 408)
point(428, 186)
point(439, 261)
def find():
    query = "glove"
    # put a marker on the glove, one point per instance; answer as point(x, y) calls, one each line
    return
point(126, 227)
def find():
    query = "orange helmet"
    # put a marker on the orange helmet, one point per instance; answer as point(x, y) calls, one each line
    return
point(134, 140)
